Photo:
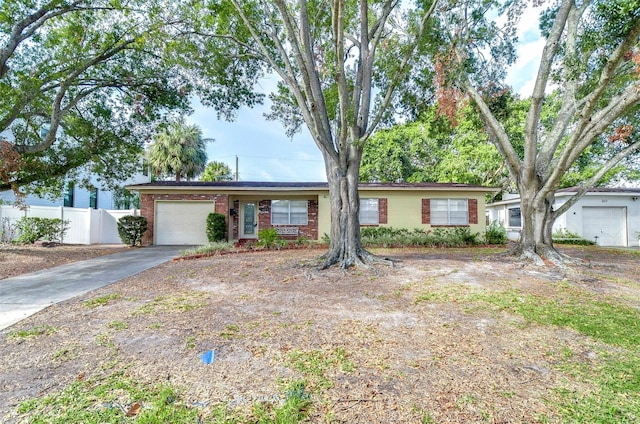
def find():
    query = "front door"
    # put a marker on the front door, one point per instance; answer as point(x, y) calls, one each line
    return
point(248, 220)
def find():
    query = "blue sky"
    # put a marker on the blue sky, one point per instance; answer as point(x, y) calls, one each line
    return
point(265, 153)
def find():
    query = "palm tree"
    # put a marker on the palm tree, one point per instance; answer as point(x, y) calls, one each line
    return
point(179, 150)
point(216, 171)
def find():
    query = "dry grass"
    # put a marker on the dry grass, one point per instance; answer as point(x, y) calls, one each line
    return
point(21, 259)
point(426, 341)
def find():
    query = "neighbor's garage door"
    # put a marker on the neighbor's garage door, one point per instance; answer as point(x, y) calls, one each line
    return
point(609, 225)
point(181, 222)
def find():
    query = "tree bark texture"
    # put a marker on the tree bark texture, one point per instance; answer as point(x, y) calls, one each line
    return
point(310, 57)
point(583, 116)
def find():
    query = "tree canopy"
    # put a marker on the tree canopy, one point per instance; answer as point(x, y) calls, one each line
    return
point(84, 84)
point(587, 90)
point(432, 148)
point(216, 171)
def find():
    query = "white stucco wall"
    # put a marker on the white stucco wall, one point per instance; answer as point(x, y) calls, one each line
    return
point(572, 220)
point(81, 195)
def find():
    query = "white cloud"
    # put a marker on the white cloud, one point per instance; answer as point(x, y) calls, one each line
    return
point(521, 76)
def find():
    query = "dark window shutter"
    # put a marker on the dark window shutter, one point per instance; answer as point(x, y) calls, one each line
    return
point(426, 211)
point(473, 211)
point(382, 211)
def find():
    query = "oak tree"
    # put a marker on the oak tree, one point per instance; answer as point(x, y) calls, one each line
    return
point(84, 84)
point(588, 76)
point(340, 63)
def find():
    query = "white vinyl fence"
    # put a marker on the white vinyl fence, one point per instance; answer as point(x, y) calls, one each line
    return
point(86, 226)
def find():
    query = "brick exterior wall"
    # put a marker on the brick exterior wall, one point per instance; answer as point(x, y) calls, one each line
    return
point(309, 231)
point(148, 202)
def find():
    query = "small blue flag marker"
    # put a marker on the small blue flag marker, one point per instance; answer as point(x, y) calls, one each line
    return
point(208, 357)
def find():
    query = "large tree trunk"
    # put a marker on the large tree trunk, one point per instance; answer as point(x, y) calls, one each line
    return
point(537, 215)
point(345, 247)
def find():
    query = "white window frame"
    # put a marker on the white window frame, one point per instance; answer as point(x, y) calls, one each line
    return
point(447, 216)
point(369, 212)
point(289, 213)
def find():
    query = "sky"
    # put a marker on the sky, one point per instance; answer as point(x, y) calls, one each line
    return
point(264, 151)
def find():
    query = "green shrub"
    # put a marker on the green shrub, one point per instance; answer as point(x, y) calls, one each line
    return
point(301, 241)
point(495, 234)
point(32, 229)
point(575, 241)
point(269, 238)
point(399, 237)
point(453, 237)
point(131, 228)
point(210, 248)
point(216, 227)
point(564, 236)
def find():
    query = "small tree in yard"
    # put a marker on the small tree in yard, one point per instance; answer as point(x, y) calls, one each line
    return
point(131, 228)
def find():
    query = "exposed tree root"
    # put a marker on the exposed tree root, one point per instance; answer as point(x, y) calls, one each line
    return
point(362, 259)
point(542, 255)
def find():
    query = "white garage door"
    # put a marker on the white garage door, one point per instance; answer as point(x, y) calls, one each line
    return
point(605, 226)
point(182, 222)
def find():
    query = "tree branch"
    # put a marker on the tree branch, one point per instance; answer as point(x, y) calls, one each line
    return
point(586, 185)
point(569, 102)
point(26, 27)
point(400, 72)
point(533, 117)
point(597, 125)
point(500, 137)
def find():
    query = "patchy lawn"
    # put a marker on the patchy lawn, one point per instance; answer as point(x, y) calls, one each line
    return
point(447, 336)
point(21, 259)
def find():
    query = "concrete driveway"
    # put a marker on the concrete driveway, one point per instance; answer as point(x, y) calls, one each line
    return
point(26, 294)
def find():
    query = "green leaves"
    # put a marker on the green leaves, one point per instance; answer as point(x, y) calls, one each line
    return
point(86, 83)
point(431, 149)
point(179, 150)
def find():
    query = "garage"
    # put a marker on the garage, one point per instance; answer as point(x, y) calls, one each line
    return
point(181, 222)
point(607, 226)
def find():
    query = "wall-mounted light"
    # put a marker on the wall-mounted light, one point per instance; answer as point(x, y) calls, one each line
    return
point(634, 198)
point(233, 212)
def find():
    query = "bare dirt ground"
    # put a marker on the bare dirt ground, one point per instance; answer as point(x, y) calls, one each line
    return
point(20, 259)
point(398, 344)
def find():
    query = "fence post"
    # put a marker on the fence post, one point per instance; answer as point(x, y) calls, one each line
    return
point(62, 224)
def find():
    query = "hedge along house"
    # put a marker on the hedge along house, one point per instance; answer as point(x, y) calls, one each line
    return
point(177, 211)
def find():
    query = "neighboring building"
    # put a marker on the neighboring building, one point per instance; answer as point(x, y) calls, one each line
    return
point(80, 197)
point(607, 216)
point(177, 211)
